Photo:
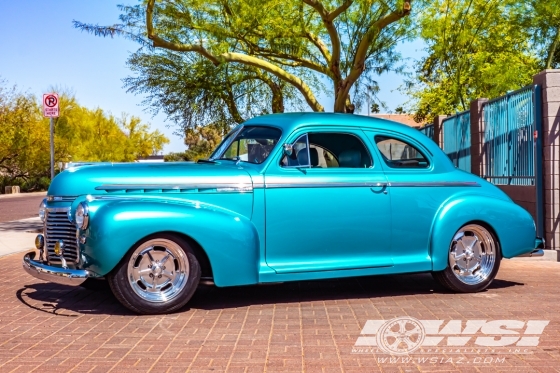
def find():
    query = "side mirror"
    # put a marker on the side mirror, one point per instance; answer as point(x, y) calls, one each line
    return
point(288, 149)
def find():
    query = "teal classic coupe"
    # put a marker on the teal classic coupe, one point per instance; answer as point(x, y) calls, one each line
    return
point(284, 197)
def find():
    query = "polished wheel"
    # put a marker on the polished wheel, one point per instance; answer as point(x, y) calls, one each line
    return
point(473, 260)
point(158, 275)
point(472, 254)
point(158, 270)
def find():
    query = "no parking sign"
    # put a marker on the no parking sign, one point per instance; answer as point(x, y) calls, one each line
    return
point(50, 105)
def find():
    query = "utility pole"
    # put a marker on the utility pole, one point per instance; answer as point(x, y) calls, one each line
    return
point(52, 148)
point(50, 110)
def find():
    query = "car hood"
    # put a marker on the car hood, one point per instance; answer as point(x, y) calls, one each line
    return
point(147, 177)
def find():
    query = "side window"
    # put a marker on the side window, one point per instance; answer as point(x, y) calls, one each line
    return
point(399, 154)
point(328, 150)
point(300, 154)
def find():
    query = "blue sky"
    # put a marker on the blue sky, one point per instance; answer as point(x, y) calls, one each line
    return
point(40, 49)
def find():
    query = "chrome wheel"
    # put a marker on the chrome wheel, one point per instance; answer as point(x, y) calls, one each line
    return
point(158, 270)
point(472, 255)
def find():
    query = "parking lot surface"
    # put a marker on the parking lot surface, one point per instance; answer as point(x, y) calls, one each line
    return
point(293, 327)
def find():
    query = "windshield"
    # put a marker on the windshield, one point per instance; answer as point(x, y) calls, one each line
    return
point(248, 144)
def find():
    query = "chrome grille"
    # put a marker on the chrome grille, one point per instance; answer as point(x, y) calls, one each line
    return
point(58, 227)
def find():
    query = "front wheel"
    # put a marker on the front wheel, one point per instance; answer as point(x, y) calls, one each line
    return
point(473, 260)
point(159, 275)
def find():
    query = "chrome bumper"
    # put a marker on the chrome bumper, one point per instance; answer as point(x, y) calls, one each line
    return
point(538, 251)
point(73, 277)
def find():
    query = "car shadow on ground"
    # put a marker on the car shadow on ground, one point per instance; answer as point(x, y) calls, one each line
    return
point(32, 226)
point(74, 301)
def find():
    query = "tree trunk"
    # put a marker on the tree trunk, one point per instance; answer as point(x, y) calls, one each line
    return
point(552, 49)
point(277, 98)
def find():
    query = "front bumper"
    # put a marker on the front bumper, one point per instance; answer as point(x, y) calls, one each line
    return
point(72, 277)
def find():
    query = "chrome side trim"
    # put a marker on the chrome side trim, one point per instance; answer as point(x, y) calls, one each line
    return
point(324, 185)
point(370, 185)
point(72, 277)
point(438, 184)
point(220, 187)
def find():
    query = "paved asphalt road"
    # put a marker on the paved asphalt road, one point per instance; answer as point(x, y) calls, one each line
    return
point(20, 207)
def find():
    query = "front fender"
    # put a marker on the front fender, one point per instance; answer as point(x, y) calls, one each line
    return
point(230, 240)
point(512, 224)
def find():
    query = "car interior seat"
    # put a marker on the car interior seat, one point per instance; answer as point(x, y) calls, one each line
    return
point(350, 159)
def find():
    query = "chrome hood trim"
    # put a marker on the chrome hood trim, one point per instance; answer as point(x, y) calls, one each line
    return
point(194, 187)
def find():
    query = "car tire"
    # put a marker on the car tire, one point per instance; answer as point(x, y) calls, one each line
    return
point(158, 275)
point(473, 260)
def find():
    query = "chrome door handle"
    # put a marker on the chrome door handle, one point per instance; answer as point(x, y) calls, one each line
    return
point(383, 187)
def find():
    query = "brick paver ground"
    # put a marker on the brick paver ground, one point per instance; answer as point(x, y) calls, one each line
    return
point(292, 327)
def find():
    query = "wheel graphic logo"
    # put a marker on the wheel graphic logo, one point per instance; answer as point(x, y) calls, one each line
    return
point(401, 336)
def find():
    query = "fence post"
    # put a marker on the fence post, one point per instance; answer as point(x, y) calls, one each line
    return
point(549, 80)
point(477, 136)
point(438, 133)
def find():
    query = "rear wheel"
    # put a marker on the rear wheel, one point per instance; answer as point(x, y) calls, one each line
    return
point(473, 260)
point(159, 275)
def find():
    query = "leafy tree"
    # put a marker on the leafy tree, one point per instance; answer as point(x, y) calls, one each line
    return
point(375, 108)
point(292, 42)
point(543, 19)
point(81, 134)
point(475, 48)
point(194, 93)
point(400, 110)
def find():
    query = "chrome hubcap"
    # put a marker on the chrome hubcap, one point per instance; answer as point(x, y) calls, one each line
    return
point(472, 254)
point(158, 270)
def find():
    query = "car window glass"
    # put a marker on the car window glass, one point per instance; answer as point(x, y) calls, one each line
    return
point(300, 154)
point(252, 144)
point(331, 150)
point(400, 154)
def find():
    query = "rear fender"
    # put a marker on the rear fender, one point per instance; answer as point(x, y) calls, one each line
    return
point(513, 225)
point(229, 239)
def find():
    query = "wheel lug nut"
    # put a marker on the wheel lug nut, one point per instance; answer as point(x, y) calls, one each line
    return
point(151, 275)
point(159, 276)
point(163, 267)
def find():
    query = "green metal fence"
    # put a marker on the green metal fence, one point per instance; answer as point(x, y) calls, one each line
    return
point(512, 145)
point(457, 139)
point(428, 130)
point(510, 123)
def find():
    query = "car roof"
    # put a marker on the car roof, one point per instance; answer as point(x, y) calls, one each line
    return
point(289, 122)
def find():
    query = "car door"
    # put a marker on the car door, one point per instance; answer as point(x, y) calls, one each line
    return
point(329, 211)
point(417, 191)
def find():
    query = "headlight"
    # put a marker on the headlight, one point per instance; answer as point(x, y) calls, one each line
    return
point(42, 210)
point(82, 216)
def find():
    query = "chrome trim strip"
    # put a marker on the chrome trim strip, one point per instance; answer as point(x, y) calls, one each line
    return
point(220, 187)
point(58, 209)
point(370, 185)
point(438, 184)
point(61, 198)
point(325, 185)
point(73, 277)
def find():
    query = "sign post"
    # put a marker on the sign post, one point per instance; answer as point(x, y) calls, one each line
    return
point(50, 110)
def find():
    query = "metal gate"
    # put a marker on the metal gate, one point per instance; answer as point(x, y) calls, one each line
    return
point(512, 145)
point(428, 130)
point(457, 139)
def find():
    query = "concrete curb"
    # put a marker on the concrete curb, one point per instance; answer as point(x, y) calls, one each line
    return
point(18, 236)
point(22, 195)
point(549, 256)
